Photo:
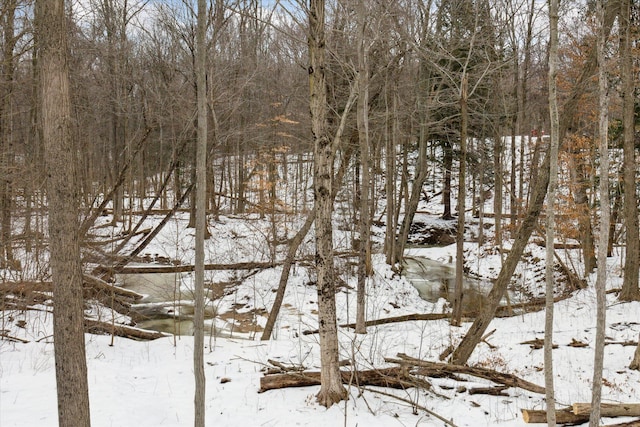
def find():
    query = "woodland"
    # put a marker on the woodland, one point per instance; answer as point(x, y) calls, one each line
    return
point(286, 164)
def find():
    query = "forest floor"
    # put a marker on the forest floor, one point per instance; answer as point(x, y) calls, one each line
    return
point(150, 383)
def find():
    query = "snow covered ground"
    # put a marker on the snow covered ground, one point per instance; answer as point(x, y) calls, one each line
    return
point(151, 384)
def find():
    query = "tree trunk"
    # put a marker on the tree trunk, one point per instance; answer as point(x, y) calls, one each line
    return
point(390, 182)
point(364, 252)
point(68, 313)
point(331, 389)
point(603, 237)
point(456, 315)
point(447, 164)
point(498, 188)
point(6, 128)
point(201, 215)
point(635, 363)
point(581, 200)
point(551, 200)
point(630, 291)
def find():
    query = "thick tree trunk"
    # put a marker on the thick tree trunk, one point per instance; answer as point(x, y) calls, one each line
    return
point(630, 290)
point(331, 389)
point(6, 132)
point(63, 198)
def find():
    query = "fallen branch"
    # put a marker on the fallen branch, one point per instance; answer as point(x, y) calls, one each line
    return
point(414, 404)
point(11, 338)
point(390, 377)
point(439, 368)
point(397, 319)
point(165, 269)
point(95, 240)
point(97, 327)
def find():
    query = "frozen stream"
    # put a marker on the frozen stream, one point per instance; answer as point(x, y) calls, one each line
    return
point(435, 280)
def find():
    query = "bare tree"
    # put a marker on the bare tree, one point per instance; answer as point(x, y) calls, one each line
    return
point(551, 200)
point(62, 190)
point(331, 388)
point(603, 238)
point(364, 258)
point(201, 213)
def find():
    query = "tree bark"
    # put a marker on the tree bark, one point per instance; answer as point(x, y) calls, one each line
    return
point(68, 315)
point(331, 389)
point(456, 314)
point(201, 215)
point(630, 290)
point(603, 237)
point(551, 200)
point(364, 256)
point(6, 134)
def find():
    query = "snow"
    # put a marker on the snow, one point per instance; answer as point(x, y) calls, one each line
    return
point(150, 383)
point(142, 384)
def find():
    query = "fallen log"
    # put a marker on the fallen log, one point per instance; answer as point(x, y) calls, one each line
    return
point(430, 368)
point(399, 378)
point(185, 268)
point(492, 391)
point(105, 328)
point(563, 416)
point(90, 282)
point(397, 319)
point(101, 285)
point(609, 409)
point(25, 287)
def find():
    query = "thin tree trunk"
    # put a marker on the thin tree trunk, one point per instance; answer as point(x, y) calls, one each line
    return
point(364, 255)
point(331, 389)
point(497, 198)
point(390, 187)
point(447, 164)
point(201, 215)
point(603, 237)
point(458, 292)
point(551, 200)
point(68, 313)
